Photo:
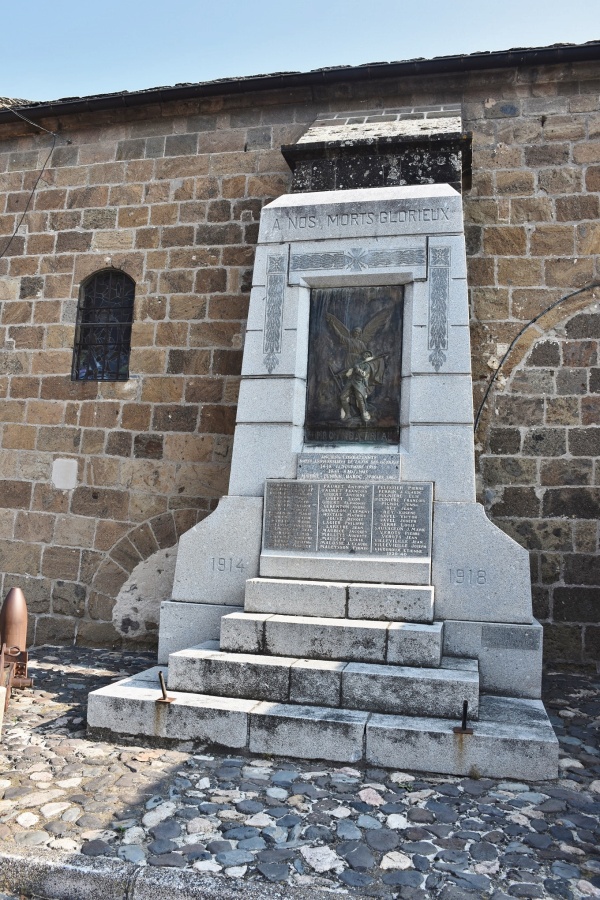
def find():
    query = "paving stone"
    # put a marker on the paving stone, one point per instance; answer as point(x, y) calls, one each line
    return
point(526, 890)
point(539, 841)
point(477, 882)
point(132, 853)
point(219, 846)
point(565, 870)
point(357, 855)
point(27, 819)
point(558, 889)
point(421, 815)
point(275, 855)
point(65, 844)
point(255, 843)
point(134, 835)
point(194, 851)
point(483, 851)
point(421, 863)
point(275, 835)
point(273, 871)
point(188, 813)
point(288, 821)
point(382, 839)
point(234, 857)
point(33, 838)
point(295, 817)
point(97, 848)
point(448, 891)
point(241, 833)
point(368, 822)
point(319, 833)
point(207, 865)
point(425, 848)
point(249, 806)
point(157, 848)
point(347, 831)
point(284, 776)
point(409, 879)
point(56, 827)
point(166, 830)
point(442, 811)
point(321, 859)
point(88, 821)
point(356, 879)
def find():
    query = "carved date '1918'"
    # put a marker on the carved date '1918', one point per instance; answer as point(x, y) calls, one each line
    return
point(468, 576)
point(227, 564)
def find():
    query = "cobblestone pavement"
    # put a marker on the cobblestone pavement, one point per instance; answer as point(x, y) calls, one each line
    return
point(365, 832)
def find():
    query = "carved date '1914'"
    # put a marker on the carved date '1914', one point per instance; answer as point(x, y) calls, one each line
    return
point(468, 576)
point(227, 564)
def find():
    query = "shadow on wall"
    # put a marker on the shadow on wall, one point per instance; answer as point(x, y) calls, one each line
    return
point(136, 611)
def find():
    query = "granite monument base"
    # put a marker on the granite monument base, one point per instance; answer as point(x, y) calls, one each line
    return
point(185, 624)
point(332, 687)
point(512, 737)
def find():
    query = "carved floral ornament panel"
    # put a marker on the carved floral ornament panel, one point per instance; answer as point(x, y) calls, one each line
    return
point(359, 260)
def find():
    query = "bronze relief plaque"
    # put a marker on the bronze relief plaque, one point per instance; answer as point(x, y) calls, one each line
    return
point(354, 365)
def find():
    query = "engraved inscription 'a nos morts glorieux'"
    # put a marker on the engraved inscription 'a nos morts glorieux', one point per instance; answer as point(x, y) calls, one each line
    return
point(354, 365)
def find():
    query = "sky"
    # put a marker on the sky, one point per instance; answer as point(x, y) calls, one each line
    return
point(77, 48)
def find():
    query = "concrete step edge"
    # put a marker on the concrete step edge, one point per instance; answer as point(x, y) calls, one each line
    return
point(375, 624)
point(513, 739)
point(462, 666)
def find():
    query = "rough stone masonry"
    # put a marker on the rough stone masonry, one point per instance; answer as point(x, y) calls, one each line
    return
point(170, 189)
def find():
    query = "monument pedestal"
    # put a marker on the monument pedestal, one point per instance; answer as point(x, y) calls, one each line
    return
point(364, 594)
point(336, 688)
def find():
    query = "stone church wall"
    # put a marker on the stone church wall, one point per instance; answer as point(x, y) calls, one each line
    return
point(172, 194)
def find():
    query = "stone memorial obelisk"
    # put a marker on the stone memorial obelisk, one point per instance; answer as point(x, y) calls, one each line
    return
point(349, 595)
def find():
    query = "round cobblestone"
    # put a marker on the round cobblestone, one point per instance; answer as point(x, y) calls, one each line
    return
point(370, 832)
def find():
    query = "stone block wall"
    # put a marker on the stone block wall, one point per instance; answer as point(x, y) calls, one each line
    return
point(172, 195)
point(540, 468)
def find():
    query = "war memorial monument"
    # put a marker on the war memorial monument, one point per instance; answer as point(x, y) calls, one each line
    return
point(349, 599)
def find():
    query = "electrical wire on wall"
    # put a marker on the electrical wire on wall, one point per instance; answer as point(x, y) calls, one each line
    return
point(587, 287)
point(55, 137)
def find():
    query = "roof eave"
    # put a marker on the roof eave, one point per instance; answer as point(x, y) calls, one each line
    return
point(553, 55)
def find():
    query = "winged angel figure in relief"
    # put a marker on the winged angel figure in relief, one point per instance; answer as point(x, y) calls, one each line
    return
point(362, 370)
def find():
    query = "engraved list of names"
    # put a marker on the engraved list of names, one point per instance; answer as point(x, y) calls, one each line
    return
point(387, 519)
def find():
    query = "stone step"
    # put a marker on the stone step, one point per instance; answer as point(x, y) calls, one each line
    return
point(377, 688)
point(512, 739)
point(353, 640)
point(339, 599)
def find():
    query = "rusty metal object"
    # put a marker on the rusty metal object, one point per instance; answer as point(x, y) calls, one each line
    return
point(13, 620)
point(13, 642)
point(6, 675)
point(163, 687)
point(20, 658)
point(13, 670)
point(462, 728)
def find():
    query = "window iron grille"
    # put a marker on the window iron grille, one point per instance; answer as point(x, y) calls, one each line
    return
point(103, 329)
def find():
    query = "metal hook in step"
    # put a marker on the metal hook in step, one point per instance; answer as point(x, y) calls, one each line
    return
point(163, 687)
point(462, 728)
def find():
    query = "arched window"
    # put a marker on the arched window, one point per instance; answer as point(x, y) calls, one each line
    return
point(103, 330)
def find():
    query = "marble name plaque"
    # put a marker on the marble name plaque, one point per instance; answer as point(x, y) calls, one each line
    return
point(339, 517)
point(349, 466)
